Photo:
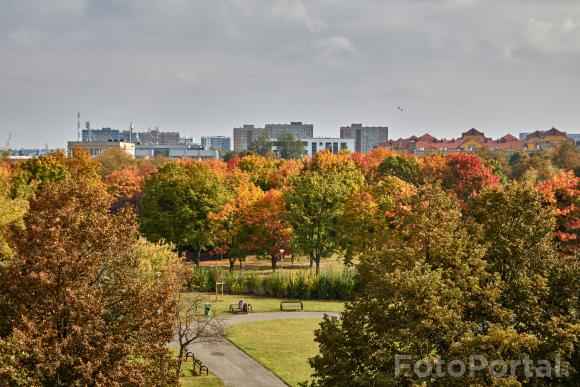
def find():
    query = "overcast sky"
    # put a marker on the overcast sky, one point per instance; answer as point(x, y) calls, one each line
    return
point(204, 67)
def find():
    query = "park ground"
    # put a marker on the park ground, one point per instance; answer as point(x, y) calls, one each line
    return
point(282, 346)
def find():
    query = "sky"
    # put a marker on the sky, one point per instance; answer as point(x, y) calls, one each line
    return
point(202, 67)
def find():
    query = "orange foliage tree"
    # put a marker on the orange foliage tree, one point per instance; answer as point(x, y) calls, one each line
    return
point(75, 306)
point(266, 229)
point(563, 192)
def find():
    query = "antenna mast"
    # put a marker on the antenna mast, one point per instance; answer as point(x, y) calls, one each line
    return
point(79, 126)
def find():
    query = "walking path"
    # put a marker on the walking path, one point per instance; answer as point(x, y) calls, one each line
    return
point(232, 365)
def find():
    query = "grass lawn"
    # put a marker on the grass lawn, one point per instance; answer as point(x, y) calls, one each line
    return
point(283, 346)
point(266, 304)
point(189, 380)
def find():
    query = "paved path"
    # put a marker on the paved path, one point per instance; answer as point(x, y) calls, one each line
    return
point(232, 365)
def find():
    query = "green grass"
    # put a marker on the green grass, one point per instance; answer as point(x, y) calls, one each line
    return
point(283, 346)
point(266, 304)
point(190, 380)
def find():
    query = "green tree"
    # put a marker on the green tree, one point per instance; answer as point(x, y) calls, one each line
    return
point(404, 167)
point(440, 289)
point(176, 204)
point(290, 147)
point(314, 204)
point(534, 168)
point(76, 306)
point(567, 157)
point(262, 145)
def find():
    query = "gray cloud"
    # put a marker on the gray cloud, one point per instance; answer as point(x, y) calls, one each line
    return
point(202, 67)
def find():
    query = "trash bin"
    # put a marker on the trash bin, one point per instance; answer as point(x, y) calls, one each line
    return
point(207, 310)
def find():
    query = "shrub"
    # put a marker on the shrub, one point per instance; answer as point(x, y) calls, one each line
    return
point(298, 284)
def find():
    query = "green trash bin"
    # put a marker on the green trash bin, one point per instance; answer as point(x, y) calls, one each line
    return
point(207, 310)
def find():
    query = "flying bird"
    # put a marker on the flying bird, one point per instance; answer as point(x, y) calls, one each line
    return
point(399, 108)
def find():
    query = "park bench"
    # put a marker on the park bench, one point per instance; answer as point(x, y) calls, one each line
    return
point(188, 353)
point(202, 367)
point(295, 304)
point(236, 307)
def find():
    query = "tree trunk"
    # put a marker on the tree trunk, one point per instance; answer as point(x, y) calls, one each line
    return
point(232, 263)
point(311, 259)
point(198, 256)
point(179, 361)
point(240, 264)
point(273, 263)
point(317, 260)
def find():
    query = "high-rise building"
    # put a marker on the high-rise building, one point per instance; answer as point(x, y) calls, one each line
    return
point(221, 143)
point(365, 137)
point(297, 129)
point(103, 135)
point(157, 137)
point(245, 135)
point(151, 137)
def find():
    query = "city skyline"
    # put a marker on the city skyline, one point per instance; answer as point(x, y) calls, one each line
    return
point(205, 67)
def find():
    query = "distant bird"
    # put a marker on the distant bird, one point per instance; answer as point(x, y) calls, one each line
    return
point(399, 108)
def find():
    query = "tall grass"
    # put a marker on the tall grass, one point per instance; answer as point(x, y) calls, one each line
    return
point(296, 284)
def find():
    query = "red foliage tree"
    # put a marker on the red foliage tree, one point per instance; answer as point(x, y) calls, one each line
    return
point(466, 175)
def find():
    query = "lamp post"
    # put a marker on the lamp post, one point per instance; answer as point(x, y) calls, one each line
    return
point(281, 259)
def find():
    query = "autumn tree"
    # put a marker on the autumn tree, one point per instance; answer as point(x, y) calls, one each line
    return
point(433, 168)
point(37, 171)
point(562, 192)
point(260, 169)
point(126, 185)
point(367, 217)
point(369, 162)
point(12, 208)
point(77, 307)
point(177, 202)
point(466, 175)
point(228, 223)
point(115, 159)
point(265, 228)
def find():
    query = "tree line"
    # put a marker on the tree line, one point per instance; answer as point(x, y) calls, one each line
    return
point(457, 253)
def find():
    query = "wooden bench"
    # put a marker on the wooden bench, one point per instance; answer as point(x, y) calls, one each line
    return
point(202, 367)
point(236, 307)
point(295, 304)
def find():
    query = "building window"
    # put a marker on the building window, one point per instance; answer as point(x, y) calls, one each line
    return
point(343, 146)
point(313, 148)
point(334, 147)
